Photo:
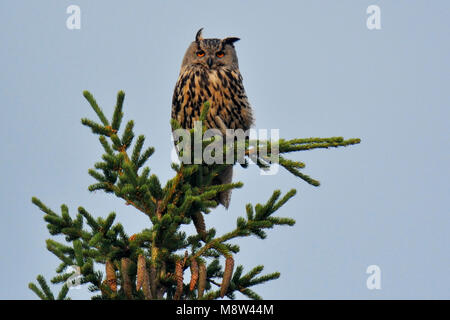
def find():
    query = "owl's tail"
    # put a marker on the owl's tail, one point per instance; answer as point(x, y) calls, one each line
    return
point(225, 177)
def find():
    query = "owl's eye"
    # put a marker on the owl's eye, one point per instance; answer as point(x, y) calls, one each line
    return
point(220, 54)
point(200, 53)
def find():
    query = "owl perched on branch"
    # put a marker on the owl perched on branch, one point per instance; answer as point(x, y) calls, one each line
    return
point(210, 72)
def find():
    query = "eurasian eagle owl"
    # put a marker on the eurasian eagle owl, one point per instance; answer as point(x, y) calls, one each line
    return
point(210, 72)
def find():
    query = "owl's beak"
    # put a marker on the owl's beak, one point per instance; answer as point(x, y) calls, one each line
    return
point(209, 61)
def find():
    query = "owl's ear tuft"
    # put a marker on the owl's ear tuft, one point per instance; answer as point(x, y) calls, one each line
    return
point(230, 41)
point(198, 36)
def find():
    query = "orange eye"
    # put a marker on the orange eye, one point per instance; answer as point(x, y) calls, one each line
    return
point(200, 53)
point(220, 54)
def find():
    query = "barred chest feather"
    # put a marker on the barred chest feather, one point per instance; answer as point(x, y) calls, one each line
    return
point(224, 90)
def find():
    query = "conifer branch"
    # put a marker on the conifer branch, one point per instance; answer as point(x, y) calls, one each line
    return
point(148, 265)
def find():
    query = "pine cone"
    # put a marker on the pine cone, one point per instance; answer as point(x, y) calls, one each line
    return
point(111, 280)
point(194, 274)
point(153, 279)
point(126, 282)
point(229, 265)
point(146, 287)
point(201, 279)
point(179, 278)
point(141, 271)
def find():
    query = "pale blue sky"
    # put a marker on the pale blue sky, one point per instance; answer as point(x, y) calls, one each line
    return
point(310, 68)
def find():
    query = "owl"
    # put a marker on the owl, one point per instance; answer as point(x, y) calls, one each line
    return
point(210, 72)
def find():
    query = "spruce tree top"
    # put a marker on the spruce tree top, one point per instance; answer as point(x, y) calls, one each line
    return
point(152, 264)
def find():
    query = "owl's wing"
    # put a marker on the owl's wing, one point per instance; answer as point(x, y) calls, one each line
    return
point(182, 99)
point(235, 110)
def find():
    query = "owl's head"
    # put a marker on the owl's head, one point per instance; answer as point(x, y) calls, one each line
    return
point(211, 53)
